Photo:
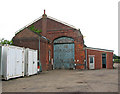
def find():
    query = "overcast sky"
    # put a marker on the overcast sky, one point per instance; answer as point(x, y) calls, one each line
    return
point(97, 19)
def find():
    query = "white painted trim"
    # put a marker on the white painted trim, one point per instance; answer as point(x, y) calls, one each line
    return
point(91, 55)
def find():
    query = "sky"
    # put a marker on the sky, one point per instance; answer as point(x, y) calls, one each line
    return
point(97, 19)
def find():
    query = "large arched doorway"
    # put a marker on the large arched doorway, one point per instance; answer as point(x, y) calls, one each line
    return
point(63, 53)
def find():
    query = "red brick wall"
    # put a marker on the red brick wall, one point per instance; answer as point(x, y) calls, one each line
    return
point(55, 30)
point(29, 39)
point(52, 30)
point(98, 58)
point(53, 25)
point(78, 41)
point(110, 60)
point(37, 24)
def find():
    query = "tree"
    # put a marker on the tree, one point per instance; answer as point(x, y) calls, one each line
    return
point(116, 58)
point(4, 41)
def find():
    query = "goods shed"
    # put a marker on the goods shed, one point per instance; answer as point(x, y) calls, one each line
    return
point(66, 47)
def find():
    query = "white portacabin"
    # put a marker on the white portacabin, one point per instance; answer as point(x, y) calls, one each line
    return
point(12, 60)
point(31, 61)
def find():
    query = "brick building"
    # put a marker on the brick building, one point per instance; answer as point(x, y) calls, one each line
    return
point(98, 58)
point(65, 48)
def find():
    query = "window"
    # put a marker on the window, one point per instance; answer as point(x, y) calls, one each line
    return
point(91, 59)
point(103, 55)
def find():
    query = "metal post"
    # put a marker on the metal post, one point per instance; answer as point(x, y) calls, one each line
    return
point(39, 56)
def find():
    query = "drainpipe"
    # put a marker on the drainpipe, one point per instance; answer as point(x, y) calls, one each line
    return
point(39, 46)
point(39, 56)
point(86, 57)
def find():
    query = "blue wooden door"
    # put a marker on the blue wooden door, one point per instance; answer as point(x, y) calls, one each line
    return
point(64, 55)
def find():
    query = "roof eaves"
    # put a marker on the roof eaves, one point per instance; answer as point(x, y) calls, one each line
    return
point(49, 18)
point(98, 49)
point(28, 25)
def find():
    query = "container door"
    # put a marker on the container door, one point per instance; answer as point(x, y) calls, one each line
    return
point(18, 65)
point(0, 61)
point(34, 62)
point(30, 62)
point(91, 62)
point(11, 60)
point(23, 62)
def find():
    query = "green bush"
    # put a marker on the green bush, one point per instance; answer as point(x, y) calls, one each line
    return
point(3, 41)
point(32, 28)
point(116, 61)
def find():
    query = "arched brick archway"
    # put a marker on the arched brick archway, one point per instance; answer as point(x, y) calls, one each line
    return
point(79, 54)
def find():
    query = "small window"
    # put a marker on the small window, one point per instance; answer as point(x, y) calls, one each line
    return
point(103, 55)
point(91, 59)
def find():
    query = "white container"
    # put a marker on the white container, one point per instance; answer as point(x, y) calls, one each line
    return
point(0, 61)
point(12, 62)
point(30, 62)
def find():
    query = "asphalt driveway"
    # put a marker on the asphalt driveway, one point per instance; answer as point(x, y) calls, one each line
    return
point(104, 80)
